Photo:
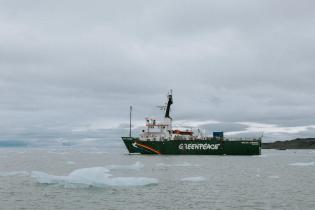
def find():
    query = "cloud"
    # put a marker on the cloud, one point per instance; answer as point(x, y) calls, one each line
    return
point(69, 64)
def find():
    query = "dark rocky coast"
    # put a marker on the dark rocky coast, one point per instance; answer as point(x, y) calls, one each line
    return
point(299, 143)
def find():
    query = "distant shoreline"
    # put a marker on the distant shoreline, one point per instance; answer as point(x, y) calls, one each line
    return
point(299, 143)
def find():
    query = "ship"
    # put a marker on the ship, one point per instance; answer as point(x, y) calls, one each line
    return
point(160, 138)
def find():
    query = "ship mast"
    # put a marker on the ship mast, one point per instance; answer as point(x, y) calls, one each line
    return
point(169, 103)
point(167, 117)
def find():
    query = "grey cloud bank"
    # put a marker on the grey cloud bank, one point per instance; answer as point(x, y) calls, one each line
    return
point(70, 69)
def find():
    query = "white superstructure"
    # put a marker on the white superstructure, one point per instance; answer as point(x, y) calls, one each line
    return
point(163, 131)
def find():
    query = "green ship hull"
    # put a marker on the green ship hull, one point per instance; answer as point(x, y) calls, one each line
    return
point(193, 147)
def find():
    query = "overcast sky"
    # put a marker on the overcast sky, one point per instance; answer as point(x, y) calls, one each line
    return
point(76, 66)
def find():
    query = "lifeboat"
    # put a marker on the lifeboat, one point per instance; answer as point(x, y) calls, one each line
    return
point(190, 133)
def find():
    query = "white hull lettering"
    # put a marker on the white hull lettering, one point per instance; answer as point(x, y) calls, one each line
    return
point(198, 146)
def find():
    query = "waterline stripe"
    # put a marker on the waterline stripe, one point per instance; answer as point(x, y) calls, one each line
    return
point(149, 148)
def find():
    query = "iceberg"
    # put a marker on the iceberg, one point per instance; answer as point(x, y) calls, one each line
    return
point(91, 177)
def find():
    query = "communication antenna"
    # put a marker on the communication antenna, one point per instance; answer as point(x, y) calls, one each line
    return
point(130, 111)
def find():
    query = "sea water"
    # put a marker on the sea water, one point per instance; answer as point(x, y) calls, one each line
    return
point(103, 178)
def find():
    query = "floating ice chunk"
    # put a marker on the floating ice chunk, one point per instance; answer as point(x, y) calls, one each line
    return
point(96, 177)
point(135, 166)
point(70, 162)
point(58, 153)
point(94, 152)
point(194, 179)
point(185, 164)
point(14, 173)
point(96, 173)
point(303, 164)
point(263, 156)
point(44, 178)
point(274, 177)
point(100, 152)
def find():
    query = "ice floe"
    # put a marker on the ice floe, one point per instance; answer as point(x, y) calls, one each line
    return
point(70, 162)
point(185, 164)
point(303, 164)
point(88, 177)
point(91, 177)
point(14, 173)
point(263, 156)
point(194, 179)
point(274, 177)
point(135, 166)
